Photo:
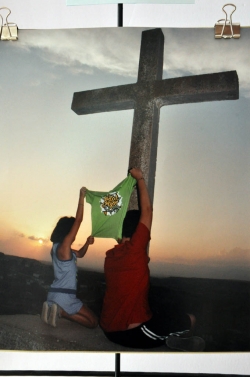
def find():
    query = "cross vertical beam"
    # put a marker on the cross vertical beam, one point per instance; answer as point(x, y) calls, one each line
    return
point(144, 139)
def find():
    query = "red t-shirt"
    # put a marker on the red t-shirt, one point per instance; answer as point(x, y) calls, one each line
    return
point(127, 283)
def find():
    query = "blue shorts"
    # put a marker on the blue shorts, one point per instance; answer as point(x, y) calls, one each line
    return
point(67, 301)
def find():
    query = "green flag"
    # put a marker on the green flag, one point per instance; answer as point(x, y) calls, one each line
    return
point(109, 209)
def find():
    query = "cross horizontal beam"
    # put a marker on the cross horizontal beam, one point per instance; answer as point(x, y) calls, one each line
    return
point(189, 89)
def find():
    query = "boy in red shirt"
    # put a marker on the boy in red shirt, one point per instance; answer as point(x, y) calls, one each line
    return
point(126, 317)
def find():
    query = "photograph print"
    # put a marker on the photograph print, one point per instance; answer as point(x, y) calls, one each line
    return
point(96, 124)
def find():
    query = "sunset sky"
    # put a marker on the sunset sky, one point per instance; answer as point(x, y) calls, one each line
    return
point(47, 152)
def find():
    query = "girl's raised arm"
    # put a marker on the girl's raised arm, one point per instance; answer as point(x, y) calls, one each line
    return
point(64, 250)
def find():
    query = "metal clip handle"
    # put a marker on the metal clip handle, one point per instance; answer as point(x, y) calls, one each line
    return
point(8, 30)
point(230, 13)
point(227, 21)
point(227, 27)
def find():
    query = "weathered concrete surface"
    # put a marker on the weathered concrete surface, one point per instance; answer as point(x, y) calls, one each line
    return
point(28, 332)
point(148, 95)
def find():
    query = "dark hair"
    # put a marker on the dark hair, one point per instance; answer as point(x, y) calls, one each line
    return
point(62, 228)
point(130, 222)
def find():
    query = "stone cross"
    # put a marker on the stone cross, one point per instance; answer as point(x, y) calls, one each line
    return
point(148, 95)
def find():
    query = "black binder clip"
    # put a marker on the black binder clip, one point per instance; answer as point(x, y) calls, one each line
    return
point(8, 30)
point(224, 28)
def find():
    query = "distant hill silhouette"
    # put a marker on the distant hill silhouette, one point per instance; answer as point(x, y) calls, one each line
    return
point(222, 307)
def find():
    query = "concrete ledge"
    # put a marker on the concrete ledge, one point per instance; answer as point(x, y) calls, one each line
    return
point(29, 333)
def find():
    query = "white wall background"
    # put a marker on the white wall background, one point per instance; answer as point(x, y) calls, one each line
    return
point(54, 14)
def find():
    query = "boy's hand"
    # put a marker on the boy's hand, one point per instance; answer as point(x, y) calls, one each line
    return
point(136, 173)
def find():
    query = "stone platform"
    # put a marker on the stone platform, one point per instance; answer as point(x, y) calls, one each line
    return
point(25, 332)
